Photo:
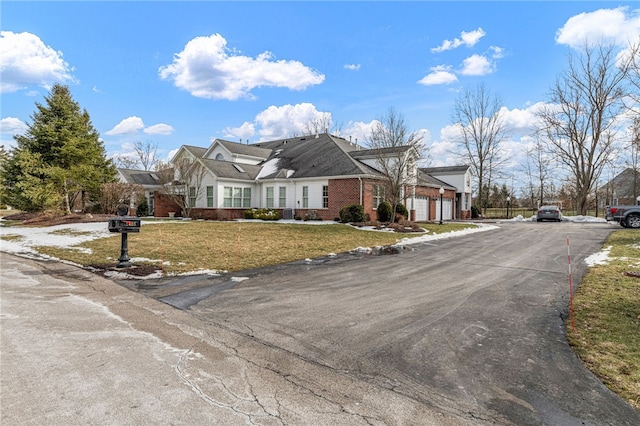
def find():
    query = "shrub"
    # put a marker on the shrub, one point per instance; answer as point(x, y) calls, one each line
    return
point(311, 215)
point(475, 212)
point(402, 210)
point(265, 214)
point(384, 212)
point(248, 213)
point(143, 208)
point(352, 213)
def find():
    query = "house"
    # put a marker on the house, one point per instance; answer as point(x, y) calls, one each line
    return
point(621, 190)
point(311, 176)
point(149, 181)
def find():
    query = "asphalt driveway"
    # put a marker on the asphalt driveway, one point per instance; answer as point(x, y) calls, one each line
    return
point(472, 326)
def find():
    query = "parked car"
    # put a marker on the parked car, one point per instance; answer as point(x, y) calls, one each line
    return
point(549, 213)
point(627, 216)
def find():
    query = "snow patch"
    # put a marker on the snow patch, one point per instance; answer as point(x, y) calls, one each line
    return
point(600, 258)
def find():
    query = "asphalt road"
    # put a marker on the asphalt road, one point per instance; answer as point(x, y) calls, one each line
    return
point(465, 331)
point(472, 326)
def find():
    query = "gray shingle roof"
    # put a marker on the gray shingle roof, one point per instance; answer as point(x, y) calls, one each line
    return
point(229, 170)
point(445, 169)
point(197, 151)
point(246, 150)
point(140, 177)
point(425, 179)
point(314, 156)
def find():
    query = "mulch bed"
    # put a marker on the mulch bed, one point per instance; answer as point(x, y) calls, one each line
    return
point(136, 270)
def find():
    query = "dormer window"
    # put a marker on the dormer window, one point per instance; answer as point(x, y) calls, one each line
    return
point(219, 156)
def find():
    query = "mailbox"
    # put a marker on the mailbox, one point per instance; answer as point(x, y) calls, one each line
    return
point(124, 224)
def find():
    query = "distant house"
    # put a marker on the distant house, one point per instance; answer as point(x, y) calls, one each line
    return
point(149, 181)
point(621, 190)
point(313, 176)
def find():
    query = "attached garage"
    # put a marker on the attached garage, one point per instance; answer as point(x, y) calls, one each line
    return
point(422, 208)
point(447, 209)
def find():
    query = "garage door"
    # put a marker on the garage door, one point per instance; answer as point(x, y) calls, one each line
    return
point(447, 209)
point(422, 209)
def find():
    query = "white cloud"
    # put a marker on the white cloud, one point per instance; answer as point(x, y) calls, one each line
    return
point(498, 52)
point(352, 67)
point(206, 68)
point(521, 120)
point(468, 39)
point(245, 131)
point(127, 126)
point(439, 75)
point(279, 122)
point(615, 26)
point(26, 61)
point(159, 129)
point(359, 131)
point(134, 124)
point(476, 65)
point(12, 126)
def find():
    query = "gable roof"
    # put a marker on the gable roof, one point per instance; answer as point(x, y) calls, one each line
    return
point(446, 170)
point(140, 177)
point(625, 183)
point(425, 179)
point(229, 170)
point(312, 156)
point(242, 149)
point(377, 152)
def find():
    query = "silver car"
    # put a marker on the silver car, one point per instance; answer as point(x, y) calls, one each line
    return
point(549, 213)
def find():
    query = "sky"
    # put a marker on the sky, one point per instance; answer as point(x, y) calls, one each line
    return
point(173, 73)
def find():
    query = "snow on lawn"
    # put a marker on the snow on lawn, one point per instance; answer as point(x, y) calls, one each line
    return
point(22, 240)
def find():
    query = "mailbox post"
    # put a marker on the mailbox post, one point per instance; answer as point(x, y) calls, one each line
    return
point(124, 225)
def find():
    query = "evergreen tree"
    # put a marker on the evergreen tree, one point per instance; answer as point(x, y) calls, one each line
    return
point(58, 159)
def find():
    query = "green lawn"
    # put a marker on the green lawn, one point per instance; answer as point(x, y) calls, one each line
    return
point(607, 318)
point(186, 246)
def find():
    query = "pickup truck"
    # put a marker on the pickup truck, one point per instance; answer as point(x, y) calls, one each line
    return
point(627, 216)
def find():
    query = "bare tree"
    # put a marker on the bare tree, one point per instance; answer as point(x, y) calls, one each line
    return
point(632, 55)
point(114, 194)
point(125, 162)
point(482, 131)
point(397, 152)
point(580, 124)
point(145, 156)
point(182, 182)
point(538, 168)
point(634, 157)
point(147, 153)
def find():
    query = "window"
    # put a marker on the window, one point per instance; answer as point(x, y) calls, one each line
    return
point(246, 197)
point(282, 197)
point(270, 197)
point(228, 197)
point(305, 197)
point(192, 196)
point(219, 156)
point(378, 195)
point(209, 196)
point(237, 197)
point(325, 196)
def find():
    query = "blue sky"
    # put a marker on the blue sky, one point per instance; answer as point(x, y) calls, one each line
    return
point(176, 73)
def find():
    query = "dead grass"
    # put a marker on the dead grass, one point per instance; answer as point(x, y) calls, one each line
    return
point(607, 318)
point(231, 246)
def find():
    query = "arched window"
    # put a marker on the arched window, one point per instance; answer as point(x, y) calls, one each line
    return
point(219, 156)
